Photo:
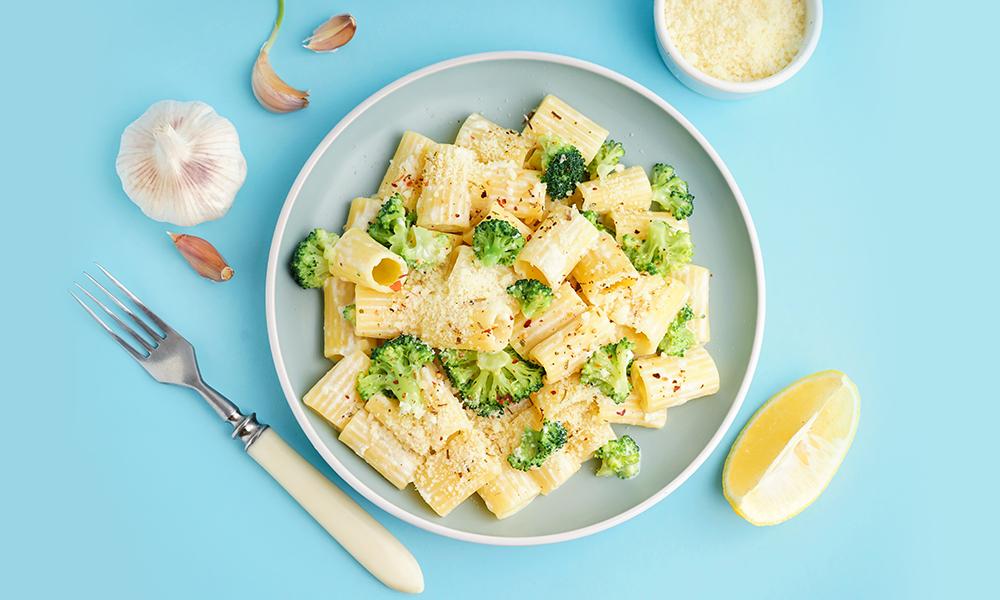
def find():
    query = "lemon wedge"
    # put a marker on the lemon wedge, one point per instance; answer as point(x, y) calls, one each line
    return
point(791, 448)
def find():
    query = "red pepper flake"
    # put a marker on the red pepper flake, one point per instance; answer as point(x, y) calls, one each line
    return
point(397, 285)
point(527, 323)
point(656, 375)
point(483, 195)
point(621, 413)
point(677, 388)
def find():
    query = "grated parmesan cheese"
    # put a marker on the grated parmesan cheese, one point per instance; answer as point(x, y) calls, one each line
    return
point(737, 40)
point(446, 308)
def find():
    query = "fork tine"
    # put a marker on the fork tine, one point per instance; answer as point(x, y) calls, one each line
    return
point(145, 327)
point(128, 347)
point(159, 322)
point(142, 342)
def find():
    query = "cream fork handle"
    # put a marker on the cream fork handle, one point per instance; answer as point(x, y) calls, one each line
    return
point(360, 534)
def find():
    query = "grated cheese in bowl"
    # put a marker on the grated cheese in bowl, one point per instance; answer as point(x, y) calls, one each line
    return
point(737, 40)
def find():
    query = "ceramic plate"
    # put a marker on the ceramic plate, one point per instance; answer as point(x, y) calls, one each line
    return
point(503, 86)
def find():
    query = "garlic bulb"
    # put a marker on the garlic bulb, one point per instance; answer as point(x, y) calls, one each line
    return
point(180, 162)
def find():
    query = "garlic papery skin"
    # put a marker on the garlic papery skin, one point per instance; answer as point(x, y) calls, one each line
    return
point(180, 162)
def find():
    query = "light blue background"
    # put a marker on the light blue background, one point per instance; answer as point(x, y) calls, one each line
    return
point(871, 177)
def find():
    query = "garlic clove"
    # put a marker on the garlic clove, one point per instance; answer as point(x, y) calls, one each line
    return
point(180, 162)
point(202, 256)
point(332, 34)
point(271, 91)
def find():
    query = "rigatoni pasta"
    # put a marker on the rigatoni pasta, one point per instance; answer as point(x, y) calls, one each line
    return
point(521, 191)
point(647, 305)
point(496, 211)
point(627, 190)
point(447, 478)
point(569, 347)
point(335, 396)
point(339, 338)
point(558, 244)
point(631, 412)
point(696, 279)
point(566, 305)
point(362, 212)
point(444, 203)
point(512, 489)
point(503, 306)
point(360, 259)
point(556, 118)
point(383, 451)
point(375, 313)
point(636, 222)
point(406, 168)
point(666, 381)
point(492, 142)
point(604, 268)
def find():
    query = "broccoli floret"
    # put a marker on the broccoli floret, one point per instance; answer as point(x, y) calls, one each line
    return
point(424, 248)
point(390, 224)
point(663, 250)
point(532, 295)
point(678, 338)
point(393, 370)
point(393, 228)
point(607, 158)
point(537, 446)
point(349, 314)
point(487, 381)
point(562, 167)
point(670, 192)
point(593, 217)
point(608, 370)
point(619, 457)
point(496, 241)
point(310, 263)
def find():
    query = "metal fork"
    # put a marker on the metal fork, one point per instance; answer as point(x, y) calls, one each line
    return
point(169, 358)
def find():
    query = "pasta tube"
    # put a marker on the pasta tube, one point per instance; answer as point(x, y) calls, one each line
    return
point(445, 203)
point(405, 168)
point(555, 118)
point(335, 395)
point(492, 142)
point(558, 244)
point(338, 334)
point(360, 259)
point(665, 381)
point(625, 190)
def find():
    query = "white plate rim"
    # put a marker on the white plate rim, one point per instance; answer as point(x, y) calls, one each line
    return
point(297, 407)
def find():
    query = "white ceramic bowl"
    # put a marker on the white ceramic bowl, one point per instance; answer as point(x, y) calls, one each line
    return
point(729, 90)
point(350, 162)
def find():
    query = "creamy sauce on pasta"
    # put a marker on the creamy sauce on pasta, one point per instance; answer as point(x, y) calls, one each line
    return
point(466, 308)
